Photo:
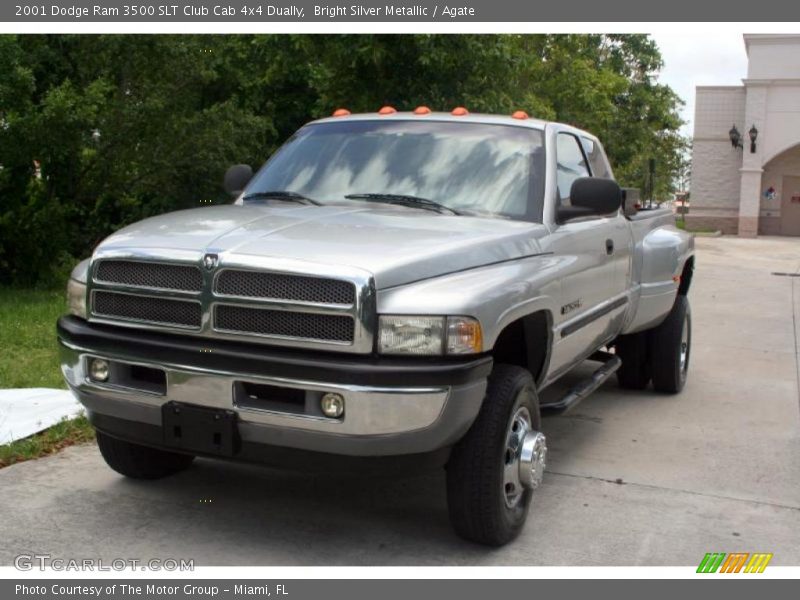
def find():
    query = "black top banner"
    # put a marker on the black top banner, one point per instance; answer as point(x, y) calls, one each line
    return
point(238, 11)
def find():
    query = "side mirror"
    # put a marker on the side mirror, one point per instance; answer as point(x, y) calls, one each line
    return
point(591, 197)
point(236, 178)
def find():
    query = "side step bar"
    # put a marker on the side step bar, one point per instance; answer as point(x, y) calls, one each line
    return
point(611, 363)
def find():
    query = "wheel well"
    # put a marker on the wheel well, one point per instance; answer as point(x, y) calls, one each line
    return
point(526, 343)
point(686, 276)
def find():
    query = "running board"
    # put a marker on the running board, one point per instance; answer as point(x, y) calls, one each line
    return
point(611, 363)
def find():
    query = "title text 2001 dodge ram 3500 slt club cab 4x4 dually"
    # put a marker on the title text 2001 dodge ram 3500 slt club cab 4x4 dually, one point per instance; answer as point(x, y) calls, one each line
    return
point(396, 286)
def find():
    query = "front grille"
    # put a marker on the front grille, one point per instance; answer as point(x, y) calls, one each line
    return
point(310, 326)
point(167, 311)
point(237, 302)
point(278, 286)
point(152, 275)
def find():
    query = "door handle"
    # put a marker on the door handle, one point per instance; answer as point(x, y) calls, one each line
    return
point(609, 247)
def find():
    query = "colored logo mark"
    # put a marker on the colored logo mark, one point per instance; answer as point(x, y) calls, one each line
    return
point(736, 562)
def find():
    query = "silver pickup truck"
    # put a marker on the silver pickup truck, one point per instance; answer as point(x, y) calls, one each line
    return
point(391, 289)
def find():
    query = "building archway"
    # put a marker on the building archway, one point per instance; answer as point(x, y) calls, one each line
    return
point(780, 197)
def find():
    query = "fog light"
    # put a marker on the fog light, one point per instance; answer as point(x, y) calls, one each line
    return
point(98, 369)
point(332, 405)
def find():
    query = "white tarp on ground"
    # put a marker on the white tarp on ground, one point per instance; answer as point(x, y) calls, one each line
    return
point(24, 412)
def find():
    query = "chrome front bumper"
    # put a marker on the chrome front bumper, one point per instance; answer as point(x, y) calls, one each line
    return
point(377, 420)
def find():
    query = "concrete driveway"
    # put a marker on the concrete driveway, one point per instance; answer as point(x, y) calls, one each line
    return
point(634, 478)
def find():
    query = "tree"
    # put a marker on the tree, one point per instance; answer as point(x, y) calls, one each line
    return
point(123, 127)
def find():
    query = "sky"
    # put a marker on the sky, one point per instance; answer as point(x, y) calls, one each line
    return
point(694, 59)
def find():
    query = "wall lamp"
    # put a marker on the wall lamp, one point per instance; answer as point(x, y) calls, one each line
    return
point(736, 138)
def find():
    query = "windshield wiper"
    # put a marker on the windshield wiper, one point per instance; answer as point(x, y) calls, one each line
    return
point(404, 200)
point(281, 195)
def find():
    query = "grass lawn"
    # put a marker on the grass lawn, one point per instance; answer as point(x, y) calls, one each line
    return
point(63, 434)
point(28, 338)
point(29, 358)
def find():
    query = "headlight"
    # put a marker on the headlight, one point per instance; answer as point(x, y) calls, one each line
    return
point(410, 335)
point(428, 336)
point(76, 290)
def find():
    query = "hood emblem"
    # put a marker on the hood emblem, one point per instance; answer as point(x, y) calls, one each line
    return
point(210, 261)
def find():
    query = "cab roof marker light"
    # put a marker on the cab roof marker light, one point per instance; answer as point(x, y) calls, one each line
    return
point(459, 111)
point(341, 112)
point(520, 114)
point(387, 110)
point(422, 110)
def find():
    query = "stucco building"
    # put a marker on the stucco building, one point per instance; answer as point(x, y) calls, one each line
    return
point(754, 188)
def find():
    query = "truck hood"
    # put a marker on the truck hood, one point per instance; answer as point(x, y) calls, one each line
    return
point(397, 245)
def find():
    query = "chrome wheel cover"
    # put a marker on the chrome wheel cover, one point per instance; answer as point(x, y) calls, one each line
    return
point(533, 459)
point(523, 457)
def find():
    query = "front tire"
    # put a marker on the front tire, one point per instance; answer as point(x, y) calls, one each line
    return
point(488, 501)
point(140, 462)
point(670, 344)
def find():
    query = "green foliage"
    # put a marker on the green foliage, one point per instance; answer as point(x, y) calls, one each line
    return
point(128, 126)
point(28, 338)
point(123, 127)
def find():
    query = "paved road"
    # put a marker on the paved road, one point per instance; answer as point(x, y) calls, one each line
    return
point(634, 478)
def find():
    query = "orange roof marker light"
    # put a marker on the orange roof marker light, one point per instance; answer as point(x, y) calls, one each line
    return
point(387, 110)
point(519, 114)
point(459, 111)
point(341, 112)
point(422, 110)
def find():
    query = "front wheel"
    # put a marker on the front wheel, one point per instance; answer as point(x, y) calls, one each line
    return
point(495, 468)
point(670, 344)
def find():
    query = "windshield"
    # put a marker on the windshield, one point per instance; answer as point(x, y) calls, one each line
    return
point(472, 168)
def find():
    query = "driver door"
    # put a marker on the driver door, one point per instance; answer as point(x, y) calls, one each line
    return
point(586, 249)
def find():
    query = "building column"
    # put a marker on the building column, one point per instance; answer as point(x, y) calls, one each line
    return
point(749, 201)
point(750, 184)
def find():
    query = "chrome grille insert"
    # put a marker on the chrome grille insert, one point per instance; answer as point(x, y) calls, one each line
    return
point(299, 325)
point(279, 286)
point(150, 275)
point(265, 300)
point(165, 311)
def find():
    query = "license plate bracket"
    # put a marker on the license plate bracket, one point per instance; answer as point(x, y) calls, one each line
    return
point(200, 429)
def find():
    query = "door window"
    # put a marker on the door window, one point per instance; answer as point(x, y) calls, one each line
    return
point(571, 164)
point(597, 159)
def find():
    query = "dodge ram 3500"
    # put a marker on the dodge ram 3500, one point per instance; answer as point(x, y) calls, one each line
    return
point(395, 287)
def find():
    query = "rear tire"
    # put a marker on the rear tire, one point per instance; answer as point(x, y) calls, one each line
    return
point(483, 506)
point(670, 344)
point(140, 462)
point(634, 373)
